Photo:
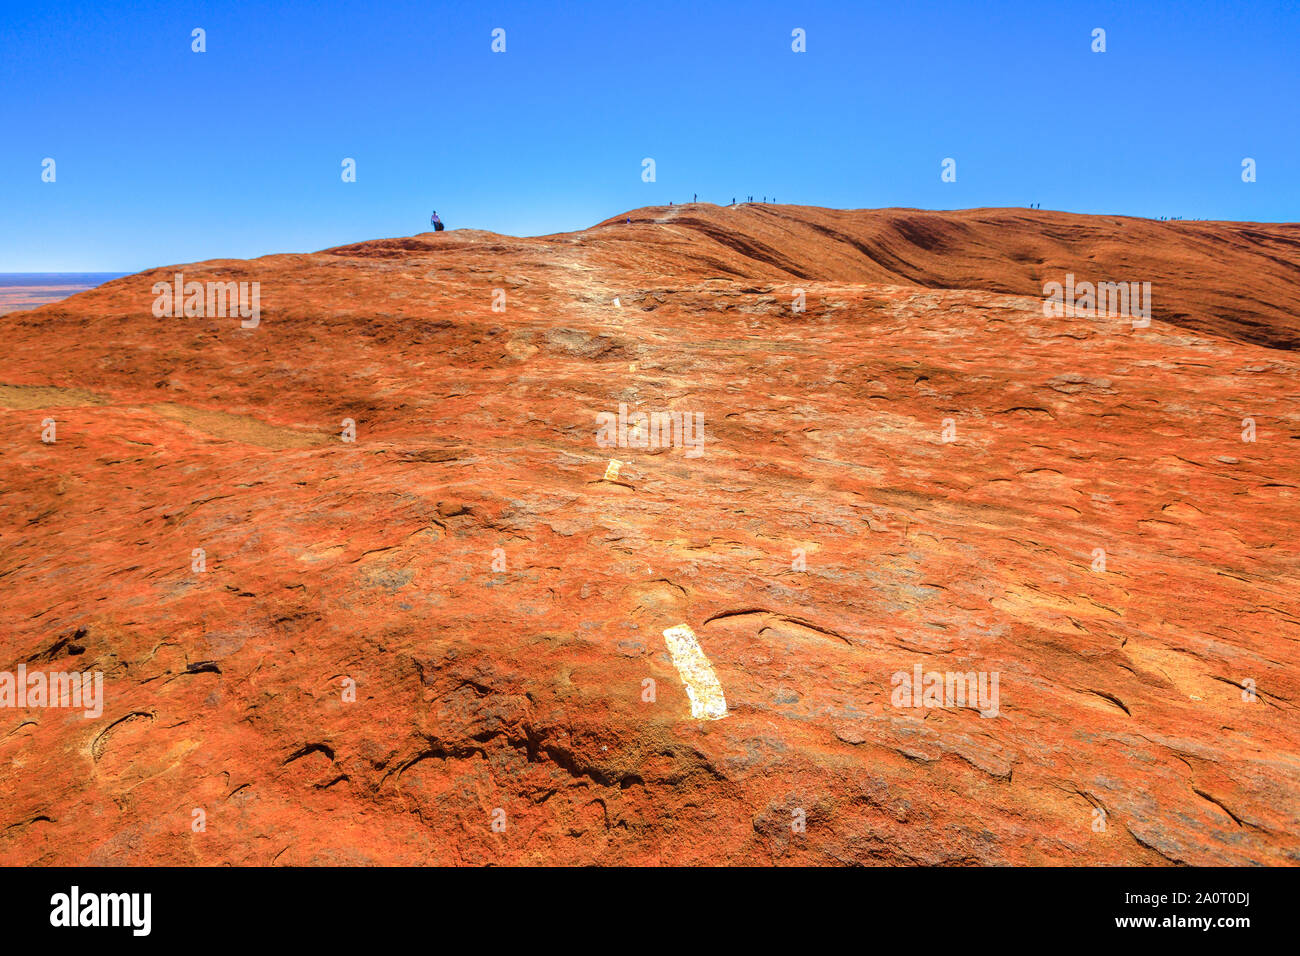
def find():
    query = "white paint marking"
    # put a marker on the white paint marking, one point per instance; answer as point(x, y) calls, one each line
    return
point(702, 687)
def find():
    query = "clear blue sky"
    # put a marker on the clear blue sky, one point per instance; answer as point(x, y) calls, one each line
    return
point(166, 156)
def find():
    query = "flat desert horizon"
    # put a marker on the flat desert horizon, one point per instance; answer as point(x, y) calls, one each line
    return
point(20, 291)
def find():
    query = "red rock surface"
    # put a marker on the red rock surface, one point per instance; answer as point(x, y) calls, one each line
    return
point(521, 689)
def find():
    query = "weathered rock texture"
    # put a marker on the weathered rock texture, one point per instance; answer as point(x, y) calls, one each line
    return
point(827, 539)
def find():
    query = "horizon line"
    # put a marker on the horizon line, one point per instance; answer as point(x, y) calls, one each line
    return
point(672, 205)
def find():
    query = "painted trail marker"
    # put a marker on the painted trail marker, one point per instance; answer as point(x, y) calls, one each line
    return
point(611, 470)
point(702, 687)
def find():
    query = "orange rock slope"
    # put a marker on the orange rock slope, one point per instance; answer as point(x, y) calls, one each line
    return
point(443, 642)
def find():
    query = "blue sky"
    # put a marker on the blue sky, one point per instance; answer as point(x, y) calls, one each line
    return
point(166, 156)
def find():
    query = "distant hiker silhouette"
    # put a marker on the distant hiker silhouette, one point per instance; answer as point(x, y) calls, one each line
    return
point(695, 197)
point(436, 222)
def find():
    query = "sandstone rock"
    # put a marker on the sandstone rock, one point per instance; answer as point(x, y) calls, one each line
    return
point(443, 642)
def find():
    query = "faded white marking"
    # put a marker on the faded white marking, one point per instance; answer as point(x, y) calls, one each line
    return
point(611, 470)
point(702, 687)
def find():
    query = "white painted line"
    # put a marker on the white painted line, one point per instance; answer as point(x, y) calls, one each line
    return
point(702, 687)
point(611, 470)
point(617, 303)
